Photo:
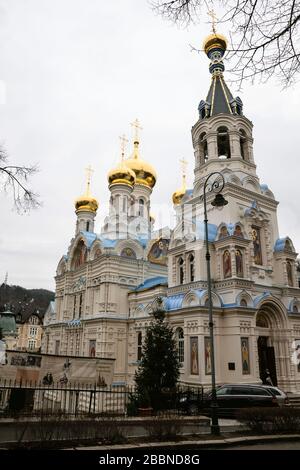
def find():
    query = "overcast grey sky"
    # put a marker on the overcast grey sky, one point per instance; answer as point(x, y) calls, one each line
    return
point(74, 74)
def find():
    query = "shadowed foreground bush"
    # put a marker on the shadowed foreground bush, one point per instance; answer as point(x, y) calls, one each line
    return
point(271, 420)
point(160, 428)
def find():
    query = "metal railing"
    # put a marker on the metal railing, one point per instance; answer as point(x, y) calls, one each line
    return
point(34, 398)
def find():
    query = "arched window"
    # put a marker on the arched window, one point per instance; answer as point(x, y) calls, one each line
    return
point(223, 143)
point(192, 268)
point(243, 144)
point(239, 263)
point(203, 148)
point(206, 303)
point(227, 264)
point(243, 303)
point(289, 272)
point(141, 207)
point(180, 345)
point(295, 309)
point(180, 270)
point(139, 345)
point(124, 204)
point(80, 306)
point(88, 226)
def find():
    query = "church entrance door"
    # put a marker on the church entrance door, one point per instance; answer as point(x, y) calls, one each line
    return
point(266, 358)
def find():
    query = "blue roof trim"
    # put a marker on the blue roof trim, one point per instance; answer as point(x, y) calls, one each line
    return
point(152, 282)
point(264, 187)
point(90, 237)
point(143, 241)
point(174, 302)
point(230, 228)
point(212, 231)
point(280, 244)
point(261, 297)
point(230, 305)
point(74, 322)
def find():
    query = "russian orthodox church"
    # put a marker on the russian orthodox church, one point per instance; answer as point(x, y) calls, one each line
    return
point(108, 284)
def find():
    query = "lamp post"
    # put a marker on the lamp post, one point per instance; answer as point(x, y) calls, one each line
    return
point(216, 186)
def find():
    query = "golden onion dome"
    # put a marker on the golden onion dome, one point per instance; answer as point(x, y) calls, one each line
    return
point(178, 195)
point(86, 203)
point(122, 174)
point(213, 41)
point(144, 172)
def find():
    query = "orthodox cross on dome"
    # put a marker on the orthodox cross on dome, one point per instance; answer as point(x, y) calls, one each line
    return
point(184, 165)
point(214, 20)
point(123, 141)
point(137, 127)
point(89, 171)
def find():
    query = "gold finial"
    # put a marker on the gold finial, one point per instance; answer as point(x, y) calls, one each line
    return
point(137, 127)
point(214, 20)
point(89, 171)
point(184, 164)
point(123, 141)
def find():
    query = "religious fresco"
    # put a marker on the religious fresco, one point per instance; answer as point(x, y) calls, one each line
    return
point(194, 355)
point(80, 254)
point(239, 263)
point(223, 232)
point(92, 348)
point(207, 355)
point(245, 356)
point(159, 251)
point(227, 264)
point(238, 231)
point(128, 253)
point(257, 245)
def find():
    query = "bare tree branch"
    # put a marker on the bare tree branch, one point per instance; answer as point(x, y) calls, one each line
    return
point(264, 35)
point(14, 179)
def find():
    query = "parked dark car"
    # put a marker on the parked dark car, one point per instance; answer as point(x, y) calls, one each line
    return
point(230, 398)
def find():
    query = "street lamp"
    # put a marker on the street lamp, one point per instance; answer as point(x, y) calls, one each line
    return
point(216, 186)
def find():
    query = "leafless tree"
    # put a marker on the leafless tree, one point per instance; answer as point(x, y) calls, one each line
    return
point(14, 180)
point(265, 39)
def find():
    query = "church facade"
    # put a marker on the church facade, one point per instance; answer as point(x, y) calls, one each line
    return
point(108, 284)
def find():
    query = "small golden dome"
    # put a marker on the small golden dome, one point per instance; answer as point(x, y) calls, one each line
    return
point(86, 203)
point(178, 195)
point(144, 172)
point(122, 174)
point(214, 40)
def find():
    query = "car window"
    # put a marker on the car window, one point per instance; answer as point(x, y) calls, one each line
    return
point(259, 391)
point(240, 391)
point(274, 391)
point(223, 391)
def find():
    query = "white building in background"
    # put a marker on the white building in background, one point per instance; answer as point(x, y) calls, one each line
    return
point(107, 284)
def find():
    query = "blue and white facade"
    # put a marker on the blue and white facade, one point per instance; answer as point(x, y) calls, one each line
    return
point(107, 285)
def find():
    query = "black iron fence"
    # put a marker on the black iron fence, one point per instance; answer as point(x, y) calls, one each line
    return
point(33, 398)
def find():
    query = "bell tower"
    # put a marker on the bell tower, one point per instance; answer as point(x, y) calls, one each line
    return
point(222, 136)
